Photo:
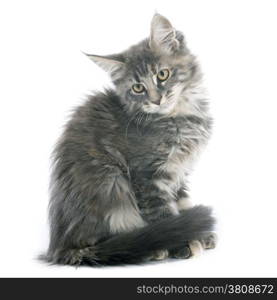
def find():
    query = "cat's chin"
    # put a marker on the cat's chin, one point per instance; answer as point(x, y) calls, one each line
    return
point(165, 108)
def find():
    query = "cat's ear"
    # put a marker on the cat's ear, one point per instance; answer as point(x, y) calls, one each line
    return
point(163, 35)
point(109, 64)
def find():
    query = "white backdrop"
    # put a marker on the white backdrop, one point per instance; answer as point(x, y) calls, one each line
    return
point(43, 75)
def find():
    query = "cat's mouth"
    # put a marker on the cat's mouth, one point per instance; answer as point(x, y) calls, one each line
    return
point(164, 101)
point(165, 106)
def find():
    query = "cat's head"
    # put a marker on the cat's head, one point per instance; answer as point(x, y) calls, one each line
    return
point(153, 75)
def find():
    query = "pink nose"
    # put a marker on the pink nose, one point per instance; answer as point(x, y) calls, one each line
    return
point(157, 100)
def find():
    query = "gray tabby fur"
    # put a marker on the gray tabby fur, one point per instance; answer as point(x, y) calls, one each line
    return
point(118, 188)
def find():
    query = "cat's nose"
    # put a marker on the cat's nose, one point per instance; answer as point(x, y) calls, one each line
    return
point(157, 100)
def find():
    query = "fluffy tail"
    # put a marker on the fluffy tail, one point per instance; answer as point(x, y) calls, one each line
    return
point(136, 246)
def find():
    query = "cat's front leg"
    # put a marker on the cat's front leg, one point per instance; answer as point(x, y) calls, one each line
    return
point(156, 201)
point(192, 248)
point(183, 199)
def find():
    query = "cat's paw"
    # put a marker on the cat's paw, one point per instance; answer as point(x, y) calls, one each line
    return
point(182, 253)
point(160, 255)
point(210, 241)
point(196, 248)
point(73, 257)
point(193, 248)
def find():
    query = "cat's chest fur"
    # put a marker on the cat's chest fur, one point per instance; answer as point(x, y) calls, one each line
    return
point(164, 147)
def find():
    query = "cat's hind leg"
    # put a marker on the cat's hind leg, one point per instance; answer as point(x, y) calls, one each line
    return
point(89, 202)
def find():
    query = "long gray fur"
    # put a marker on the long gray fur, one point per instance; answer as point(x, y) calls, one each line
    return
point(120, 168)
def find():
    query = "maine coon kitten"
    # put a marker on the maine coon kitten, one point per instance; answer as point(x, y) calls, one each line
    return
point(118, 190)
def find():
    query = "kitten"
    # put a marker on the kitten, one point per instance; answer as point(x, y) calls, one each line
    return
point(118, 189)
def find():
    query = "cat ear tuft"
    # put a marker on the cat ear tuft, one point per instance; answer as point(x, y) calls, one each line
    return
point(163, 35)
point(107, 63)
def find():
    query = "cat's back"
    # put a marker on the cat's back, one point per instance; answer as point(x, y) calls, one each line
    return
point(99, 111)
point(93, 125)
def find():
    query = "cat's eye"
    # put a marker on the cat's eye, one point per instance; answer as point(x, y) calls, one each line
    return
point(138, 88)
point(163, 74)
